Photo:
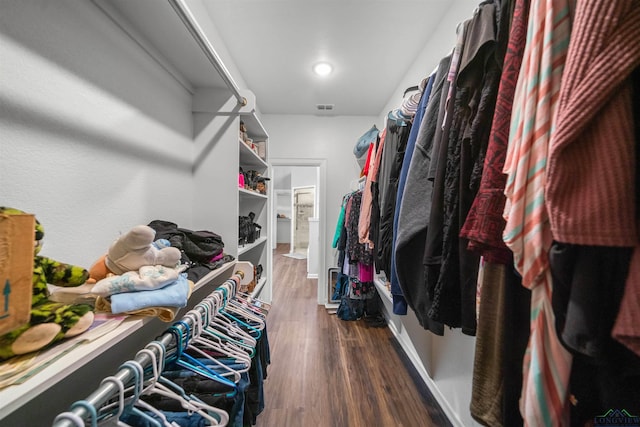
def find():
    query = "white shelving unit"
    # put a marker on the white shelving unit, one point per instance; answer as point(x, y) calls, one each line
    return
point(250, 246)
point(258, 252)
point(258, 289)
point(382, 289)
point(250, 194)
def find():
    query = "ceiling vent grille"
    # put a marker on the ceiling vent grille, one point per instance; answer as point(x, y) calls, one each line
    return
point(324, 107)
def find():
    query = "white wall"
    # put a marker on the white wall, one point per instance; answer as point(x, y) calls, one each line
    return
point(328, 138)
point(439, 45)
point(96, 138)
point(304, 176)
point(281, 178)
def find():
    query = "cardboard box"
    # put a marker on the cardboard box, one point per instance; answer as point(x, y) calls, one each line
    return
point(16, 270)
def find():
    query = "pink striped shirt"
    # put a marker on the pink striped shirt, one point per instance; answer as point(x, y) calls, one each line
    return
point(547, 364)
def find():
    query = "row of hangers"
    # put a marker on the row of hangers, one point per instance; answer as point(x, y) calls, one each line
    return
point(227, 322)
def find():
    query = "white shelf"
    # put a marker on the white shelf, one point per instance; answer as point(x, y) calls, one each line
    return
point(256, 291)
point(83, 353)
point(246, 248)
point(382, 289)
point(158, 29)
point(255, 127)
point(249, 158)
point(251, 193)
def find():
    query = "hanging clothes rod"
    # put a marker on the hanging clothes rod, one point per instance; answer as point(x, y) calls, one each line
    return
point(107, 391)
point(196, 32)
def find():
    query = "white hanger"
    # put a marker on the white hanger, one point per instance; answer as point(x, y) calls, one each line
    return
point(157, 365)
point(191, 405)
point(218, 339)
point(197, 338)
point(222, 323)
point(69, 416)
point(235, 307)
point(215, 342)
point(258, 303)
point(136, 368)
point(118, 382)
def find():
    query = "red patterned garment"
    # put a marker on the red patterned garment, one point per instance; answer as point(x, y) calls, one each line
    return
point(485, 223)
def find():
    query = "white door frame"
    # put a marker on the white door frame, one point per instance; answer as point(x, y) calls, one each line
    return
point(321, 189)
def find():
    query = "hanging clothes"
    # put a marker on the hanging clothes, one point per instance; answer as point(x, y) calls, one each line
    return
point(364, 223)
point(415, 209)
point(397, 293)
point(398, 129)
point(432, 260)
point(626, 327)
point(356, 263)
point(503, 318)
point(591, 201)
point(476, 89)
point(547, 364)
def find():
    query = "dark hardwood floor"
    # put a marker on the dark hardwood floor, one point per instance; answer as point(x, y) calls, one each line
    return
point(326, 372)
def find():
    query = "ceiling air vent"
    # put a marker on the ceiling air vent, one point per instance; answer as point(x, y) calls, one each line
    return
point(324, 107)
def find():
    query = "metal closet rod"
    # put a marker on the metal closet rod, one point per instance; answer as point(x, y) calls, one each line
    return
point(196, 32)
point(108, 390)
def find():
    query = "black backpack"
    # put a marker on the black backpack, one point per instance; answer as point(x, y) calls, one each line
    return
point(248, 231)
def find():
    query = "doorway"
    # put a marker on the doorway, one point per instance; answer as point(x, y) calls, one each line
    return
point(303, 208)
point(290, 173)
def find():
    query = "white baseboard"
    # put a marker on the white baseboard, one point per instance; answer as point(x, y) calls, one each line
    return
point(312, 275)
point(410, 351)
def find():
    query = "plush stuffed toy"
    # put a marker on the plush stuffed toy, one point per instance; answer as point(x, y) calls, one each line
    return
point(50, 321)
point(133, 250)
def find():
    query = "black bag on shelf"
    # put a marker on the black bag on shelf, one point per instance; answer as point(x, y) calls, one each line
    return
point(248, 231)
point(197, 246)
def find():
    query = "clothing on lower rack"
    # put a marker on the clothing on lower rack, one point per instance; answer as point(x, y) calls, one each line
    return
point(214, 374)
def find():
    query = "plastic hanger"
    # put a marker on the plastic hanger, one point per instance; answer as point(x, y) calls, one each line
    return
point(108, 419)
point(219, 339)
point(138, 373)
point(228, 341)
point(235, 306)
point(223, 325)
point(233, 317)
point(227, 325)
point(120, 385)
point(191, 405)
point(93, 414)
point(186, 361)
point(69, 416)
point(214, 339)
point(233, 333)
point(157, 364)
point(252, 305)
point(198, 339)
point(258, 304)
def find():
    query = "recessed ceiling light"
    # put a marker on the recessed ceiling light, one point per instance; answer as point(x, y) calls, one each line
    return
point(322, 69)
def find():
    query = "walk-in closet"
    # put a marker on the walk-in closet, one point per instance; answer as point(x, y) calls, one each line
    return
point(319, 213)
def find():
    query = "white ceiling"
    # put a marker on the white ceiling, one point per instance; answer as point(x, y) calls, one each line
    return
point(371, 44)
